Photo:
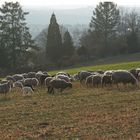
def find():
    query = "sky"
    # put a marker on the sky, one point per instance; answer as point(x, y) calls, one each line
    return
point(69, 3)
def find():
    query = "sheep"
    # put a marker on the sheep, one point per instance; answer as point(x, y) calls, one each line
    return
point(83, 75)
point(42, 79)
point(31, 75)
point(58, 84)
point(18, 77)
point(31, 81)
point(27, 89)
point(123, 76)
point(47, 82)
point(64, 77)
point(96, 80)
point(76, 77)
point(38, 75)
point(5, 87)
point(63, 73)
point(108, 72)
point(10, 78)
point(18, 84)
point(89, 80)
point(25, 75)
point(106, 80)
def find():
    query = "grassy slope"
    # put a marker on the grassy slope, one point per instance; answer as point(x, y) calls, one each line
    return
point(126, 65)
point(82, 113)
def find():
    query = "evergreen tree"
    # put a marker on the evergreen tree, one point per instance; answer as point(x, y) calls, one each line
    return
point(14, 34)
point(54, 41)
point(104, 21)
point(68, 48)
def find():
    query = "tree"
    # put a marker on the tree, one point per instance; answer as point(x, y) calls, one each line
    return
point(133, 30)
point(15, 37)
point(54, 41)
point(68, 48)
point(104, 21)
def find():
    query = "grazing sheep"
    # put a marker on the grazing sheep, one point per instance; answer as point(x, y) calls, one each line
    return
point(42, 79)
point(76, 77)
point(108, 72)
point(31, 81)
point(96, 80)
point(106, 80)
point(10, 78)
point(89, 80)
point(5, 87)
point(25, 75)
point(18, 84)
point(31, 75)
point(18, 77)
point(47, 81)
point(58, 84)
point(63, 73)
point(26, 90)
point(124, 77)
point(64, 77)
point(83, 75)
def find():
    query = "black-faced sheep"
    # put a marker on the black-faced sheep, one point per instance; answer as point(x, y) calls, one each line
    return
point(59, 84)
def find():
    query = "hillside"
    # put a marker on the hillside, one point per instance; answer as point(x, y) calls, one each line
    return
point(111, 63)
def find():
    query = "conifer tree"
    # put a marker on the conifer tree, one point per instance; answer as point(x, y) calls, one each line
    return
point(68, 48)
point(54, 41)
point(15, 37)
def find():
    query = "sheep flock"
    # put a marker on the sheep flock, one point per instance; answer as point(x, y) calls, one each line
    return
point(29, 82)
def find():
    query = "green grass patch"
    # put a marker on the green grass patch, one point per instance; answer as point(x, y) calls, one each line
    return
point(127, 65)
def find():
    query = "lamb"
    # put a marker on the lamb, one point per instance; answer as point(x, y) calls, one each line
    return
point(106, 80)
point(123, 76)
point(5, 88)
point(59, 84)
point(27, 89)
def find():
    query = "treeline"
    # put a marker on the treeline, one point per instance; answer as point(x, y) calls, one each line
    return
point(111, 32)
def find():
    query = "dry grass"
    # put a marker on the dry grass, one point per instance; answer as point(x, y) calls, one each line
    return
point(76, 114)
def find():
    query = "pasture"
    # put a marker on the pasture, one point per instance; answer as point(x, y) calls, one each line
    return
point(79, 113)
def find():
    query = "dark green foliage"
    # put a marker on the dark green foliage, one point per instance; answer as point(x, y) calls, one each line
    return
point(104, 23)
point(68, 48)
point(14, 35)
point(54, 41)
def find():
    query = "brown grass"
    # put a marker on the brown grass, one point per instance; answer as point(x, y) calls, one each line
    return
point(76, 114)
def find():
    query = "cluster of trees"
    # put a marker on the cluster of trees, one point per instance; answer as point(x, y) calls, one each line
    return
point(110, 33)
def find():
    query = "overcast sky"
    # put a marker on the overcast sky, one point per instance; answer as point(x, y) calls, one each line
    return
point(70, 3)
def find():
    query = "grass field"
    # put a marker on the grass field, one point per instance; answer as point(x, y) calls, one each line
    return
point(123, 65)
point(79, 113)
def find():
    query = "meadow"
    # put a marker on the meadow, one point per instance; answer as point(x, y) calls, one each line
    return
point(79, 113)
